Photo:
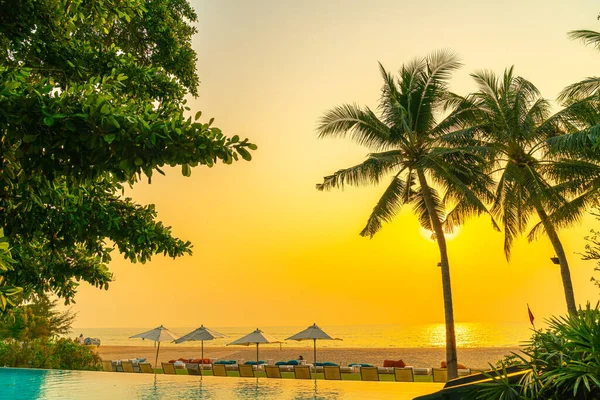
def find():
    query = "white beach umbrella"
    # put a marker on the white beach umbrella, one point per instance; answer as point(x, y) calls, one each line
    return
point(159, 334)
point(257, 337)
point(201, 334)
point(313, 333)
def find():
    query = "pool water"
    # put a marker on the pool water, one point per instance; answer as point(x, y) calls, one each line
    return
point(30, 384)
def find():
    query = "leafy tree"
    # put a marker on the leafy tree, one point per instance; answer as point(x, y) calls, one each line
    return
point(426, 169)
point(6, 264)
point(36, 318)
point(92, 97)
point(508, 115)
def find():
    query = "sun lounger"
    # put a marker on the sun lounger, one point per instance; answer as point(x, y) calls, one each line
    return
point(246, 371)
point(127, 366)
point(193, 369)
point(440, 374)
point(108, 366)
point(302, 372)
point(405, 374)
point(369, 374)
point(332, 373)
point(219, 370)
point(168, 369)
point(117, 365)
point(146, 368)
point(464, 372)
point(272, 371)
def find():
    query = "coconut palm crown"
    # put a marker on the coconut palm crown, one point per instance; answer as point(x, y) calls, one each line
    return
point(443, 183)
point(508, 115)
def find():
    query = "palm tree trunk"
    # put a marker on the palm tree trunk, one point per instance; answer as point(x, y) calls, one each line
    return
point(562, 258)
point(451, 356)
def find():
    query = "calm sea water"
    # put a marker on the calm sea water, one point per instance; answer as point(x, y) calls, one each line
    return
point(468, 335)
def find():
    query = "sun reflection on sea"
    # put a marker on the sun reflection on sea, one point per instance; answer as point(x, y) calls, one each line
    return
point(468, 334)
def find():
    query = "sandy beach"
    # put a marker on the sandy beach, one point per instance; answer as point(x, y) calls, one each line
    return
point(417, 357)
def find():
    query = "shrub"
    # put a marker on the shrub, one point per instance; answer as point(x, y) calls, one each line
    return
point(48, 353)
point(72, 355)
point(563, 362)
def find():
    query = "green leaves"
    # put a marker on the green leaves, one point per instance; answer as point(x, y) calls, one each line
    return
point(95, 97)
point(29, 138)
point(563, 361)
point(109, 138)
point(6, 265)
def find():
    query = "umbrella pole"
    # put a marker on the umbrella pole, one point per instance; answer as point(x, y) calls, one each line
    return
point(202, 362)
point(315, 346)
point(156, 361)
point(257, 356)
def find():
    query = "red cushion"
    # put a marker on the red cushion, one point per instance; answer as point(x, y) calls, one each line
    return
point(443, 364)
point(389, 363)
point(172, 361)
point(399, 364)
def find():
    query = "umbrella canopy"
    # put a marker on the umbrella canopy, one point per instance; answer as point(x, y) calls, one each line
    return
point(201, 334)
point(257, 337)
point(159, 334)
point(313, 333)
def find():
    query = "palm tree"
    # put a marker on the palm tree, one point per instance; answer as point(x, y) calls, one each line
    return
point(590, 87)
point(410, 146)
point(535, 177)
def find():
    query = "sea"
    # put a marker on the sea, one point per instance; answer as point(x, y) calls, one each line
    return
point(468, 335)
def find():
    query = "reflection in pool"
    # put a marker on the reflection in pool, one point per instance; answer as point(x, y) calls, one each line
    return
point(29, 384)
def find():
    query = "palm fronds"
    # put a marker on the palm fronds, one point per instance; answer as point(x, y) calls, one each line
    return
point(362, 126)
point(387, 207)
point(369, 172)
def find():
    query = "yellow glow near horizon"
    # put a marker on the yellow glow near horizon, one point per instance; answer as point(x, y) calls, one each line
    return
point(269, 69)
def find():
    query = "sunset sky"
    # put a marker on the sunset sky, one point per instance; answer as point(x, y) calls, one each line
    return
point(269, 249)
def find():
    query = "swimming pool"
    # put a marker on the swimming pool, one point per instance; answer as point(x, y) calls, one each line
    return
point(33, 384)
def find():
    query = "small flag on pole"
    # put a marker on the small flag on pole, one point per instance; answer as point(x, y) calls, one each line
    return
point(531, 317)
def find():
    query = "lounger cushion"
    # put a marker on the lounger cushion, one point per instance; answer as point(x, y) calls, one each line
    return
point(281, 363)
point(200, 361)
point(389, 363)
point(399, 364)
point(330, 364)
point(293, 362)
point(254, 362)
point(360, 365)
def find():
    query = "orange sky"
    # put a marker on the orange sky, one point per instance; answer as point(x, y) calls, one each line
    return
point(269, 249)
